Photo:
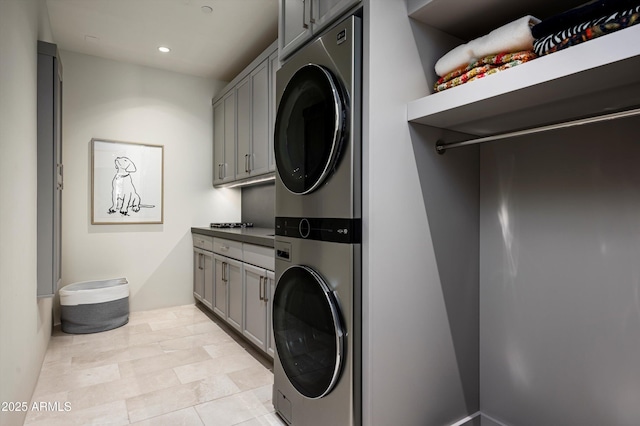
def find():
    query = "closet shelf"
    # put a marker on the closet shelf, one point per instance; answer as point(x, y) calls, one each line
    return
point(466, 19)
point(588, 79)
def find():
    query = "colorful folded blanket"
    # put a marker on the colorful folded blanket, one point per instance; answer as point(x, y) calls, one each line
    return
point(512, 37)
point(585, 12)
point(619, 19)
point(595, 32)
point(483, 67)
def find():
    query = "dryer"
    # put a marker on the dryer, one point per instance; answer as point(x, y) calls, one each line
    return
point(317, 300)
point(317, 135)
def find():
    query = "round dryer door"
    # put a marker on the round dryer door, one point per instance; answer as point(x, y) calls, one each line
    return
point(308, 333)
point(310, 128)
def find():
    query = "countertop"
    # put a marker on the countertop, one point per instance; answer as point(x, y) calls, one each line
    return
point(258, 236)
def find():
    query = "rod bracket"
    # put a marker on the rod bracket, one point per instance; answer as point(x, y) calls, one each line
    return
point(440, 147)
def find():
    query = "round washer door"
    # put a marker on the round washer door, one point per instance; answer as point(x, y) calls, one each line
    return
point(308, 332)
point(310, 128)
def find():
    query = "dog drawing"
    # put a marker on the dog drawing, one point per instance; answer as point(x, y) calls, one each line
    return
point(123, 193)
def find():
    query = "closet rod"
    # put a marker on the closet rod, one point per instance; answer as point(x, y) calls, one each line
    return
point(441, 147)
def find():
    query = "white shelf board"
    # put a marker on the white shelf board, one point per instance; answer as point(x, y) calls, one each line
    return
point(468, 19)
point(587, 79)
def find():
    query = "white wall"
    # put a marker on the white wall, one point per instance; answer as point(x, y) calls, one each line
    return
point(117, 101)
point(25, 320)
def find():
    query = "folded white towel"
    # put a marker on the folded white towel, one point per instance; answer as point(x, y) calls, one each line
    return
point(512, 37)
point(456, 58)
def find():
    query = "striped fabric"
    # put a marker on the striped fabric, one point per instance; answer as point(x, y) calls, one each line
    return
point(568, 36)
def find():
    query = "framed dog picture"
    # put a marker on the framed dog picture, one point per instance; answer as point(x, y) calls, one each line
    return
point(127, 183)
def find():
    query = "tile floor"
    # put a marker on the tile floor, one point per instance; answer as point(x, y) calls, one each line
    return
point(173, 366)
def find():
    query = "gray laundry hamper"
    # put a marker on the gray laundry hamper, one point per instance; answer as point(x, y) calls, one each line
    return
point(94, 306)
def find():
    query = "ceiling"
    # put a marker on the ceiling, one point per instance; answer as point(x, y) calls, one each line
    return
point(208, 38)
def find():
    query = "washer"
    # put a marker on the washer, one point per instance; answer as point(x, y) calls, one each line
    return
point(316, 323)
point(317, 300)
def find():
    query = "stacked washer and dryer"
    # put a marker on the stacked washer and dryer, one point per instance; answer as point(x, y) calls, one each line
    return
point(317, 300)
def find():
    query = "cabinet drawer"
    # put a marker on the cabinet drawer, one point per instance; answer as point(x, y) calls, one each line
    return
point(259, 256)
point(204, 242)
point(228, 248)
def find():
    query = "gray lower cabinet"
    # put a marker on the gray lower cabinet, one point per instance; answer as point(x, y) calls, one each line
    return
point(203, 269)
point(228, 290)
point(271, 286)
point(236, 281)
point(203, 276)
point(49, 153)
point(220, 285)
point(256, 298)
point(234, 291)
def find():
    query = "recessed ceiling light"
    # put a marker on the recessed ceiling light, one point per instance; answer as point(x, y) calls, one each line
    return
point(206, 9)
point(164, 49)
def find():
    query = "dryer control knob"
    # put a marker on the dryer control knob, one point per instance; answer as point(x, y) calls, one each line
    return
point(304, 227)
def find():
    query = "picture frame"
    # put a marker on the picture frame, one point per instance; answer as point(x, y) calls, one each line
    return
point(127, 182)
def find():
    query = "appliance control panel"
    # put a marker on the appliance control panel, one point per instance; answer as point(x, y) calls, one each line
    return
point(283, 251)
point(337, 230)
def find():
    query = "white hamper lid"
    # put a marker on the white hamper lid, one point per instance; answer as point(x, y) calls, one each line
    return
point(89, 292)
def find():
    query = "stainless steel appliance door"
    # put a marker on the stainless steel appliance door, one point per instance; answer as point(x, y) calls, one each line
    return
point(308, 331)
point(311, 126)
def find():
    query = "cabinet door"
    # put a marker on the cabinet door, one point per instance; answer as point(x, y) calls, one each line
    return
point(255, 305)
point(198, 274)
point(274, 65)
point(229, 164)
point(220, 286)
point(224, 139)
point(243, 120)
point(49, 176)
point(207, 279)
point(294, 25)
point(326, 11)
point(235, 296)
point(271, 288)
point(259, 158)
point(218, 141)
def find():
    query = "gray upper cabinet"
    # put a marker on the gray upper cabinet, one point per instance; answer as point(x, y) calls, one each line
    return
point(224, 139)
point(274, 65)
point(50, 170)
point(259, 156)
point(243, 118)
point(302, 19)
point(294, 25)
point(243, 122)
point(252, 95)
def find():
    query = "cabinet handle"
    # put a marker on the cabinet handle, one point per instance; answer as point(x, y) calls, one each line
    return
point(224, 267)
point(266, 290)
point(200, 261)
point(246, 163)
point(261, 296)
point(61, 176)
point(306, 11)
